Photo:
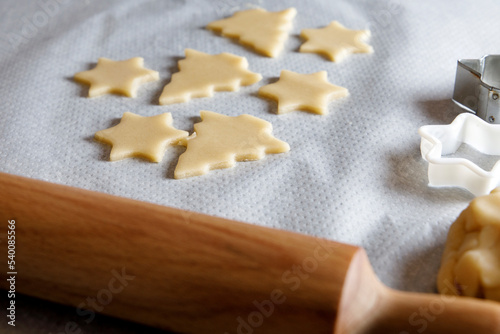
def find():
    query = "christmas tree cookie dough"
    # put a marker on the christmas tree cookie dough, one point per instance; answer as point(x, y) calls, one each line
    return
point(335, 41)
point(138, 136)
point(219, 141)
point(471, 260)
point(309, 92)
point(200, 74)
point(265, 31)
point(120, 77)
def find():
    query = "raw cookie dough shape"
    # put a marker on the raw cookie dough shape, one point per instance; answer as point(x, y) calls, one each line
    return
point(335, 41)
point(138, 136)
point(265, 31)
point(309, 92)
point(200, 74)
point(121, 77)
point(471, 260)
point(219, 141)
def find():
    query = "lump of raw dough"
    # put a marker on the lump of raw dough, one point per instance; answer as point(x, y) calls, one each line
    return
point(471, 261)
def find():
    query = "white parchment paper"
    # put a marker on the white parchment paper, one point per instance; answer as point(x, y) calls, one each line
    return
point(355, 175)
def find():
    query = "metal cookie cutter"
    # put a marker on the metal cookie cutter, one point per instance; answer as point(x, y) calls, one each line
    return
point(440, 140)
point(477, 87)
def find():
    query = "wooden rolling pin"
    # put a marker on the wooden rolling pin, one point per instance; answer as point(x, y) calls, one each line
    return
point(193, 273)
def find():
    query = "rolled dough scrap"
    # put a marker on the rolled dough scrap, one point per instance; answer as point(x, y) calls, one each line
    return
point(309, 92)
point(335, 41)
point(471, 260)
point(138, 136)
point(219, 141)
point(121, 77)
point(200, 74)
point(265, 31)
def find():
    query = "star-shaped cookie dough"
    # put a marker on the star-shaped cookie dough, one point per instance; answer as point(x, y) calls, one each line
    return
point(120, 77)
point(219, 141)
point(309, 92)
point(335, 41)
point(201, 74)
point(265, 31)
point(138, 136)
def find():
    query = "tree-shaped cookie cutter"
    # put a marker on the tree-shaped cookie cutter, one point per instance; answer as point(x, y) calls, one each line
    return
point(441, 140)
point(477, 87)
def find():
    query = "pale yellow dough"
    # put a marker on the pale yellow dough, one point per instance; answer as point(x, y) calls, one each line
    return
point(471, 261)
point(200, 74)
point(265, 31)
point(138, 136)
point(121, 77)
point(219, 141)
point(335, 41)
point(309, 92)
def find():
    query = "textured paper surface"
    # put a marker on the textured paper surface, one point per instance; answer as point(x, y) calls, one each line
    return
point(355, 175)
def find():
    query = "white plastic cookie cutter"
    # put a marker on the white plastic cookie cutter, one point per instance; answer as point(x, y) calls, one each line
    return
point(440, 140)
